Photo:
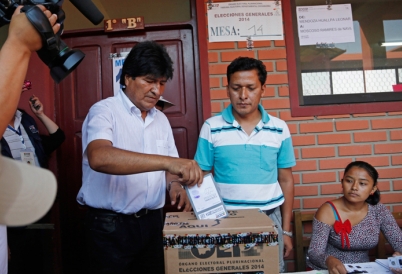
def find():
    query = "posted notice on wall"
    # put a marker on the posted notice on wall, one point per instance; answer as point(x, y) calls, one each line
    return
point(206, 200)
point(117, 64)
point(237, 21)
point(320, 25)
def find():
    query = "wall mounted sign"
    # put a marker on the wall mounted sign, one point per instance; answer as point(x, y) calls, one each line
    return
point(323, 25)
point(124, 24)
point(237, 21)
point(117, 64)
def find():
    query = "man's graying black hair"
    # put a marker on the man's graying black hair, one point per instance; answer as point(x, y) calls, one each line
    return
point(147, 58)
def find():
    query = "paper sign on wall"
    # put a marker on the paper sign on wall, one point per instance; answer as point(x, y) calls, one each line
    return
point(117, 68)
point(318, 24)
point(236, 21)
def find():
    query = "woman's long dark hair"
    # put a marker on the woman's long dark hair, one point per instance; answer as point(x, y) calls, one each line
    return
point(375, 198)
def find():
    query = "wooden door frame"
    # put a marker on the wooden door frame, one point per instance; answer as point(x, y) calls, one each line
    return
point(203, 53)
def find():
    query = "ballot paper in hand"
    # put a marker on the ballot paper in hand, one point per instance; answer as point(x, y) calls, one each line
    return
point(206, 200)
point(395, 262)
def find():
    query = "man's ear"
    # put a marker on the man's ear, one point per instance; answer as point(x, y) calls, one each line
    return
point(126, 79)
point(263, 89)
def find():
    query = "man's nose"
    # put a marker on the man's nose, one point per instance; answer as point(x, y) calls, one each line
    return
point(244, 93)
point(156, 88)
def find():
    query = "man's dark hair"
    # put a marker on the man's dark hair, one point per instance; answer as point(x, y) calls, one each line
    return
point(147, 58)
point(247, 63)
point(373, 173)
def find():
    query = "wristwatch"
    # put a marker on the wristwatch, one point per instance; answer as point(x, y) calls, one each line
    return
point(170, 184)
point(287, 233)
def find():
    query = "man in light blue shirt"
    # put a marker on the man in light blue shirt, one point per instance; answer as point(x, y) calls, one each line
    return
point(129, 158)
point(250, 151)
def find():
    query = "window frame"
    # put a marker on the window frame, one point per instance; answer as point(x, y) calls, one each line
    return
point(294, 81)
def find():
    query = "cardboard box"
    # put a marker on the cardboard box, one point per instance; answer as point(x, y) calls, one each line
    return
point(246, 241)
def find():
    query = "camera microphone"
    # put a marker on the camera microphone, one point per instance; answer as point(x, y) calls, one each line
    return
point(89, 10)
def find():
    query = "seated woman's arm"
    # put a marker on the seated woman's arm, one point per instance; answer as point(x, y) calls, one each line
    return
point(390, 228)
point(322, 224)
point(318, 245)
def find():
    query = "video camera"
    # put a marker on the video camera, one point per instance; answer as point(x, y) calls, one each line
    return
point(55, 53)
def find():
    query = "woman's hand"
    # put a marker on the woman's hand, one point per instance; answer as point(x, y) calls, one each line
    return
point(36, 105)
point(335, 266)
point(395, 270)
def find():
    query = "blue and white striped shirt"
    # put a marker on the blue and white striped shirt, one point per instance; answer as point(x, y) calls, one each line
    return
point(246, 166)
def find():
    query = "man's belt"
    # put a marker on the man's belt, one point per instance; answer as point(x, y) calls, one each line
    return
point(138, 214)
point(142, 212)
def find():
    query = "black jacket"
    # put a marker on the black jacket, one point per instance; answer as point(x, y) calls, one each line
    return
point(44, 145)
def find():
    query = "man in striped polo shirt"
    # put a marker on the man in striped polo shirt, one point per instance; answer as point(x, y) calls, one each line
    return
point(250, 151)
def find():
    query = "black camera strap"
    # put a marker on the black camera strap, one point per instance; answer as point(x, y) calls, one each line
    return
point(60, 59)
point(41, 23)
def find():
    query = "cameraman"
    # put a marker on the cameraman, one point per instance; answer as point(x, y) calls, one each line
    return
point(21, 41)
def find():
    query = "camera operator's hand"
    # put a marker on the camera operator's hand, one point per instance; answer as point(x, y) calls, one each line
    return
point(24, 33)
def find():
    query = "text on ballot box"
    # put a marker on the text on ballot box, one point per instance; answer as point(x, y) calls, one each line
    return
point(245, 241)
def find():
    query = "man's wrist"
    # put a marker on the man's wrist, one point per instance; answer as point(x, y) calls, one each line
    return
point(287, 233)
point(169, 186)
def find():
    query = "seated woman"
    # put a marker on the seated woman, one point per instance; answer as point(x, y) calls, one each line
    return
point(345, 229)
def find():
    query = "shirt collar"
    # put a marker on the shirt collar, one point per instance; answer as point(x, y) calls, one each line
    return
point(227, 114)
point(18, 118)
point(130, 107)
point(18, 114)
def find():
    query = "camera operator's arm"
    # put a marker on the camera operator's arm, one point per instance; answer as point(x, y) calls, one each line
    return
point(22, 40)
